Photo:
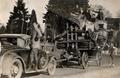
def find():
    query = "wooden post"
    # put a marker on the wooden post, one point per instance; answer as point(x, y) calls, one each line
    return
point(67, 26)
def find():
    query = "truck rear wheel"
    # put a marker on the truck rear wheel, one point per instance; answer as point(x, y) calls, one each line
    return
point(84, 60)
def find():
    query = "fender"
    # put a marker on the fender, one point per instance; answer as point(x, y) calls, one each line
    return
point(14, 55)
point(50, 57)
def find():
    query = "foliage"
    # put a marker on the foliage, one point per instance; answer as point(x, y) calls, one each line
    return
point(2, 29)
point(58, 11)
point(106, 12)
point(66, 7)
point(17, 22)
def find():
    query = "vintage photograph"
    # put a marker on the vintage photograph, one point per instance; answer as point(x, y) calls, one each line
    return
point(59, 38)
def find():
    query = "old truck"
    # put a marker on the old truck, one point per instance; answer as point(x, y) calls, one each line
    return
point(77, 43)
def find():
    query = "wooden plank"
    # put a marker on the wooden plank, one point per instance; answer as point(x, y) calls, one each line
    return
point(73, 41)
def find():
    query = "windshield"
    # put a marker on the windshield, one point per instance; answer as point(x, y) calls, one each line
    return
point(15, 40)
point(8, 41)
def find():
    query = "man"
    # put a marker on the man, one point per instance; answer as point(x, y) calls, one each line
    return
point(35, 45)
point(100, 15)
point(112, 52)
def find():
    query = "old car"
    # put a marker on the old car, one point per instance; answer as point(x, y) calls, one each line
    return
point(15, 57)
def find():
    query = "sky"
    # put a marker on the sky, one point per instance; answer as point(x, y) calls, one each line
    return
point(6, 6)
point(112, 5)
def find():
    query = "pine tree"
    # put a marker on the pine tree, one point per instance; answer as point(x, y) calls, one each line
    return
point(60, 9)
point(65, 7)
point(17, 22)
point(2, 30)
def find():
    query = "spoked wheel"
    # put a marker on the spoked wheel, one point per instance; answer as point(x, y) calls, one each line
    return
point(51, 68)
point(79, 61)
point(16, 69)
point(79, 58)
point(84, 60)
point(43, 60)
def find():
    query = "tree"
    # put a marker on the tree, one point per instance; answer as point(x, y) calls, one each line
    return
point(2, 28)
point(65, 7)
point(60, 9)
point(106, 12)
point(33, 19)
point(17, 22)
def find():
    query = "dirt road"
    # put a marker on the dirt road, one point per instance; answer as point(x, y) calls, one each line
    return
point(93, 71)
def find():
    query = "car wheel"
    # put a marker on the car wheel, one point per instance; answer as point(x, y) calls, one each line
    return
point(51, 68)
point(16, 69)
point(43, 60)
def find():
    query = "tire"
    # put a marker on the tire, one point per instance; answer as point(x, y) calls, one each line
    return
point(16, 69)
point(43, 60)
point(51, 68)
point(12, 66)
point(85, 60)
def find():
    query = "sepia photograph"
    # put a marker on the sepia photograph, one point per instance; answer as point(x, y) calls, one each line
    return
point(59, 38)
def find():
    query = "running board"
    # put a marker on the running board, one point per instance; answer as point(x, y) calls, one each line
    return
point(34, 71)
point(93, 60)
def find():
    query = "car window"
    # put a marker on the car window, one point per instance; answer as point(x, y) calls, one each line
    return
point(20, 42)
point(17, 41)
point(23, 43)
point(8, 41)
